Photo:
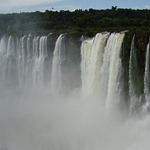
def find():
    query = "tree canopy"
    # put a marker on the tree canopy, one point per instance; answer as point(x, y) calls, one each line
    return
point(86, 22)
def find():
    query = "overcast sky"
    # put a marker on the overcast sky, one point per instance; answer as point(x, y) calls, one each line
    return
point(9, 6)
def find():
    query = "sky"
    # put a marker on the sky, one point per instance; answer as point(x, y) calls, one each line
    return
point(13, 6)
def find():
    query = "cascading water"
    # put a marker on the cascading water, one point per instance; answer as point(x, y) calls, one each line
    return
point(8, 62)
point(36, 76)
point(58, 58)
point(40, 119)
point(96, 62)
point(134, 80)
point(29, 62)
point(147, 78)
point(104, 72)
point(132, 75)
point(86, 49)
point(92, 53)
point(115, 72)
point(39, 63)
point(23, 61)
point(101, 67)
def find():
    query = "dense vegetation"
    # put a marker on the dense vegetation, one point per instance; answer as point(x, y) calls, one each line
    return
point(88, 22)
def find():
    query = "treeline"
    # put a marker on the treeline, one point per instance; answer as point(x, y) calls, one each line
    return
point(87, 22)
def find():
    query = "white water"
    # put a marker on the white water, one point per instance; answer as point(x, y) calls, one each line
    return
point(58, 58)
point(92, 56)
point(104, 72)
point(39, 120)
point(134, 80)
point(23, 61)
point(86, 49)
point(40, 62)
point(101, 68)
point(115, 72)
point(147, 78)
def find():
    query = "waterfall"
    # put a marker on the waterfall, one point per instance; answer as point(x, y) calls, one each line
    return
point(9, 63)
point(22, 61)
point(11, 46)
point(58, 58)
point(37, 111)
point(40, 54)
point(3, 58)
point(147, 78)
point(96, 62)
point(26, 62)
point(3, 45)
point(29, 62)
point(92, 56)
point(101, 68)
point(132, 76)
point(104, 72)
point(36, 74)
point(115, 72)
point(134, 80)
point(86, 49)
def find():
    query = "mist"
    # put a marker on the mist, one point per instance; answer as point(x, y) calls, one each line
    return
point(38, 121)
point(53, 100)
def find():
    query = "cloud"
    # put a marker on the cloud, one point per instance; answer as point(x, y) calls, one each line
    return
point(15, 3)
point(67, 7)
point(147, 7)
point(8, 5)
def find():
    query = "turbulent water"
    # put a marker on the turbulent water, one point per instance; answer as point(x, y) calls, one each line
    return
point(147, 78)
point(101, 67)
point(58, 58)
point(50, 99)
point(135, 83)
point(92, 62)
point(133, 77)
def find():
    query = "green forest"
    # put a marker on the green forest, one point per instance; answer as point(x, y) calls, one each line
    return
point(87, 22)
